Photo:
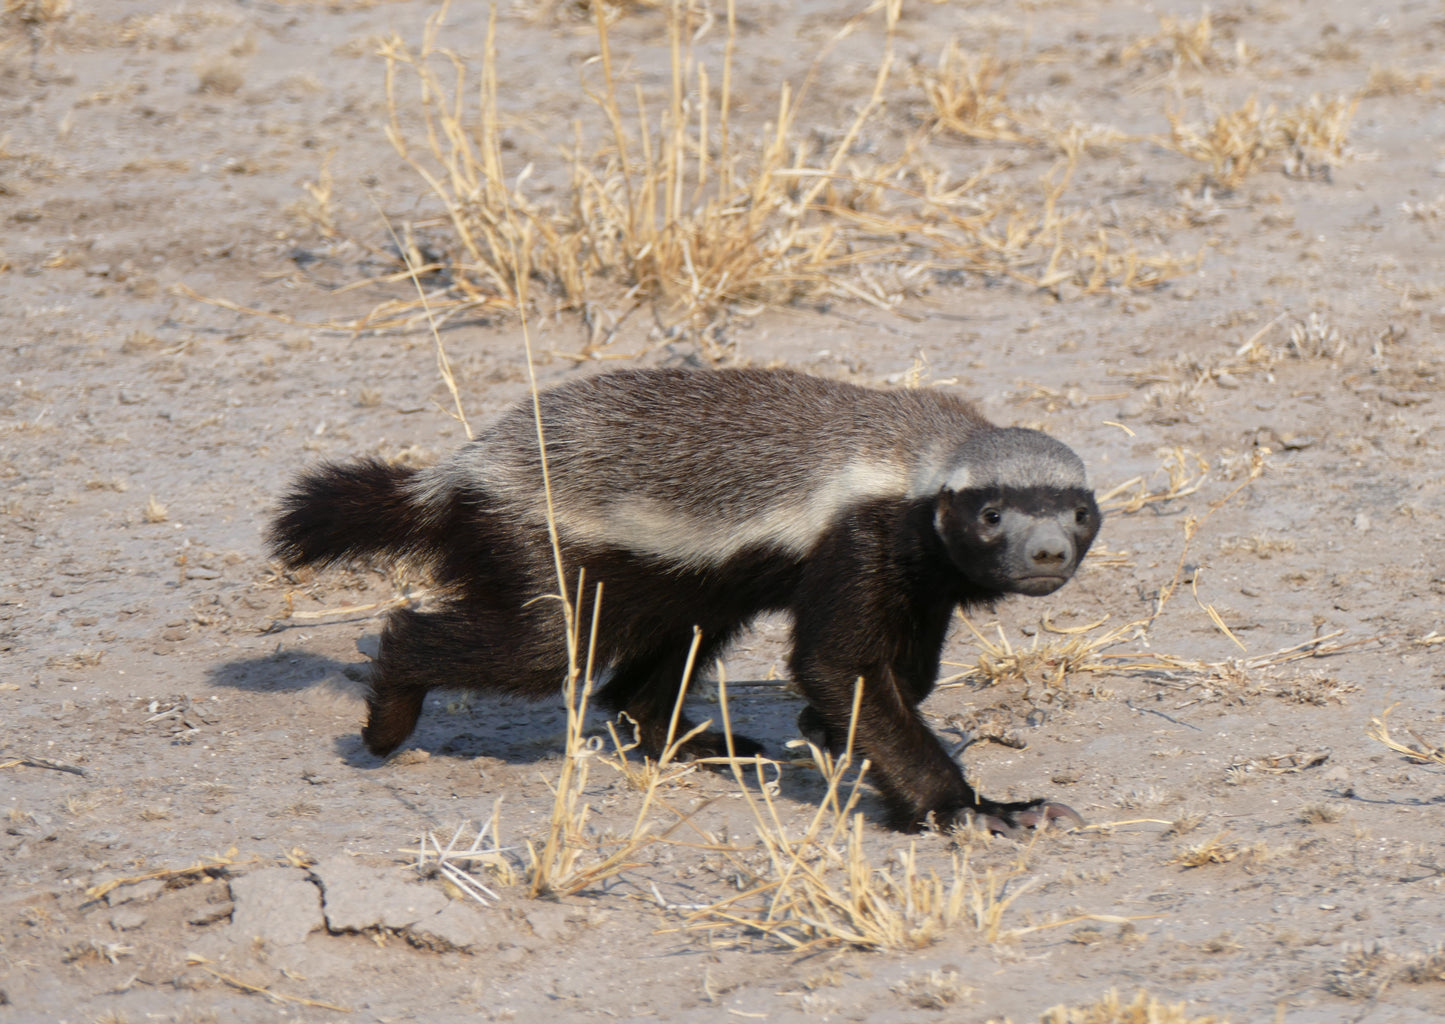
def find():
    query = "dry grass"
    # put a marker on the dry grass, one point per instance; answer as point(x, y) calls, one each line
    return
point(968, 96)
point(1390, 81)
point(1365, 973)
point(1184, 44)
point(1303, 141)
point(196, 960)
point(937, 989)
point(213, 866)
point(659, 215)
point(36, 13)
point(1054, 655)
point(1111, 1009)
point(1421, 752)
point(1183, 473)
point(670, 207)
point(154, 511)
point(567, 860)
point(818, 887)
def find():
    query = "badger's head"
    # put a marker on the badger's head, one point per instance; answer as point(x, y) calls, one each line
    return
point(1016, 513)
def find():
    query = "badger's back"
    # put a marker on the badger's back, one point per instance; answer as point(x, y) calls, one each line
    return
point(695, 466)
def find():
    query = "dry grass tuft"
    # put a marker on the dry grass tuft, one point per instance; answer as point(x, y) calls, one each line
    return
point(1305, 141)
point(967, 94)
point(934, 990)
point(1184, 471)
point(154, 511)
point(655, 215)
point(36, 13)
point(818, 887)
point(1045, 662)
point(1365, 973)
point(1394, 82)
point(220, 76)
point(1110, 1009)
point(567, 860)
point(669, 207)
point(1320, 814)
point(1212, 851)
point(1234, 144)
point(1185, 44)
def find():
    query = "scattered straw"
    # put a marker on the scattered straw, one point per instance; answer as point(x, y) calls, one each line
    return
point(216, 867)
point(25, 760)
point(1185, 472)
point(195, 960)
point(1423, 752)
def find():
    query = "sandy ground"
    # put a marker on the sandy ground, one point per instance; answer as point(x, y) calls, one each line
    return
point(1274, 862)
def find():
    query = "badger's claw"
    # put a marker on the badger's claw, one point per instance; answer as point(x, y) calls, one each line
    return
point(1012, 819)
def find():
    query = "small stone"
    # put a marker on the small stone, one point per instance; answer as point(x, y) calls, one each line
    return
point(459, 926)
point(127, 920)
point(356, 897)
point(549, 923)
point(1134, 407)
point(279, 906)
point(211, 913)
point(202, 573)
point(135, 893)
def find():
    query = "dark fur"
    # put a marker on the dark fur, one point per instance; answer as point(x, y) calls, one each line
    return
point(871, 585)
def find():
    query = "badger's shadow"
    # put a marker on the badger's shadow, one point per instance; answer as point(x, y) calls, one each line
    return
point(469, 724)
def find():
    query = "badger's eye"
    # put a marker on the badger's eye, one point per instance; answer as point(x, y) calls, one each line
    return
point(1081, 515)
point(991, 516)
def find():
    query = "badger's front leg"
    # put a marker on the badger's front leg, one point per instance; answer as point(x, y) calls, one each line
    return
point(875, 603)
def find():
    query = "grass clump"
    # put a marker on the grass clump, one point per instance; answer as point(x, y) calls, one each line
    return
point(968, 96)
point(1365, 973)
point(818, 886)
point(1112, 1009)
point(1190, 44)
point(674, 211)
point(669, 206)
point(1304, 141)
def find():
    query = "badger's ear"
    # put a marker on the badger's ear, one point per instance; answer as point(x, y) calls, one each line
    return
point(943, 511)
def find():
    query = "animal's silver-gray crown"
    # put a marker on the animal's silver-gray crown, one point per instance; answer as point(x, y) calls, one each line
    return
point(1016, 457)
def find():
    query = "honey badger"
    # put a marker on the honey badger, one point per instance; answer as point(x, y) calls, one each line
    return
point(704, 498)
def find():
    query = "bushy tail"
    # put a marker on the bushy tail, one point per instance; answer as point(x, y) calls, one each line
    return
point(338, 512)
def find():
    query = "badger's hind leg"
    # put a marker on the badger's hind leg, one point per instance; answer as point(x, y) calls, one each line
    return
point(645, 686)
point(459, 645)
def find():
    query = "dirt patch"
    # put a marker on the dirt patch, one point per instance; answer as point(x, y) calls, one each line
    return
point(193, 829)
